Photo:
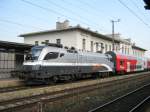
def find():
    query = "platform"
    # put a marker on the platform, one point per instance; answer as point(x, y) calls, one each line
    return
point(10, 82)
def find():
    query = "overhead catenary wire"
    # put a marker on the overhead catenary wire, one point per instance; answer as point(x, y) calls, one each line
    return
point(133, 13)
point(85, 11)
point(73, 12)
point(54, 12)
point(19, 24)
point(70, 11)
point(22, 25)
point(96, 10)
point(139, 10)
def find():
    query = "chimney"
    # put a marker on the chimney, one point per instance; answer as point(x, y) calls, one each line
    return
point(66, 24)
point(62, 25)
point(58, 25)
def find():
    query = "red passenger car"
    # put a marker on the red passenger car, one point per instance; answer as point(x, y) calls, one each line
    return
point(147, 63)
point(125, 63)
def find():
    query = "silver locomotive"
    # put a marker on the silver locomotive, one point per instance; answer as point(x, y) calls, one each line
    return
point(53, 63)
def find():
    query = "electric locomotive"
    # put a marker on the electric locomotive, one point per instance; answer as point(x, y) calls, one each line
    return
point(53, 63)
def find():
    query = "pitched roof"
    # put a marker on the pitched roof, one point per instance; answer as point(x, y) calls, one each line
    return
point(139, 48)
point(79, 28)
point(70, 29)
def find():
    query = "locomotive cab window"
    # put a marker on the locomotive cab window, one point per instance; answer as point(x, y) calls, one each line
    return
point(34, 54)
point(51, 55)
point(62, 54)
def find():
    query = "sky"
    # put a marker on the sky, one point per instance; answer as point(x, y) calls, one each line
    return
point(23, 16)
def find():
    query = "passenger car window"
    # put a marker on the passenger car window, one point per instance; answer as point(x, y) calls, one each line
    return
point(51, 55)
point(121, 62)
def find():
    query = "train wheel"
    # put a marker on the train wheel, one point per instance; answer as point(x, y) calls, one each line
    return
point(55, 79)
point(73, 77)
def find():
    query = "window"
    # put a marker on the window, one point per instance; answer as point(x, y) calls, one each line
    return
point(51, 55)
point(122, 49)
point(125, 50)
point(128, 51)
point(102, 47)
point(35, 53)
point(109, 47)
point(58, 41)
point(42, 42)
point(132, 67)
point(83, 44)
point(36, 43)
point(62, 54)
point(121, 62)
point(7, 61)
point(116, 48)
point(106, 47)
point(46, 42)
point(91, 45)
point(96, 46)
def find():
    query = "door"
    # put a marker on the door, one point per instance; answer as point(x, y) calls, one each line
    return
point(128, 66)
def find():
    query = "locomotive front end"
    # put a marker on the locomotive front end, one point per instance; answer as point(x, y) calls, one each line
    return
point(32, 64)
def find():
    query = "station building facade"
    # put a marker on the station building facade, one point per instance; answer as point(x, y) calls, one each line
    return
point(82, 39)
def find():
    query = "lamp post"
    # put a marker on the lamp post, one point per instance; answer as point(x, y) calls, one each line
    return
point(113, 33)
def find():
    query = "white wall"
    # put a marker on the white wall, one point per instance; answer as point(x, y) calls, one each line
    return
point(90, 38)
point(70, 38)
point(75, 39)
point(67, 38)
point(128, 49)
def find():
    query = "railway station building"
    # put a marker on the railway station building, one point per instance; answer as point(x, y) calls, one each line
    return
point(82, 39)
point(11, 57)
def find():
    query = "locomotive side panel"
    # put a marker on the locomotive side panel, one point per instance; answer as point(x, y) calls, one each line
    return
point(51, 62)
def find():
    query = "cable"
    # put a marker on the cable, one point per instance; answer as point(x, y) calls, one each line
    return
point(19, 24)
point(131, 11)
point(134, 3)
point(85, 11)
point(70, 11)
point(52, 11)
point(73, 12)
point(94, 8)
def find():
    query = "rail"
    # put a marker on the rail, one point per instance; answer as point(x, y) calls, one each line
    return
point(109, 104)
point(53, 96)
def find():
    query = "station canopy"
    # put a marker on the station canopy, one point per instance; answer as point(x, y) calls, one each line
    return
point(14, 47)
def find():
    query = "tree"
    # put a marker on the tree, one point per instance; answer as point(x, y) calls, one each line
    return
point(147, 4)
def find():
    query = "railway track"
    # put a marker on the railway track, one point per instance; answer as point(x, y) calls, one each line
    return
point(55, 95)
point(129, 102)
point(23, 87)
point(11, 89)
point(143, 106)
